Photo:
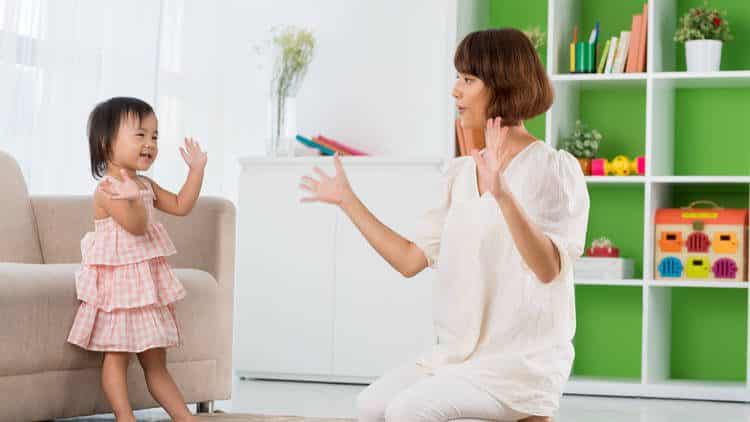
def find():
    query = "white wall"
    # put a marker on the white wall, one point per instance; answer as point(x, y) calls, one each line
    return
point(380, 80)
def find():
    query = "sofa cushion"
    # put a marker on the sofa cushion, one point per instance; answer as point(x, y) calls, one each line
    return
point(38, 303)
point(20, 241)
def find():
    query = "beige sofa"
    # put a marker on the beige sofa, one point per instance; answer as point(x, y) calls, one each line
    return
point(44, 377)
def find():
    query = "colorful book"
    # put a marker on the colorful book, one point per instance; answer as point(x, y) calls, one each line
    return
point(611, 55)
point(635, 36)
point(329, 146)
point(312, 144)
point(603, 59)
point(644, 41)
point(621, 56)
point(340, 146)
point(460, 139)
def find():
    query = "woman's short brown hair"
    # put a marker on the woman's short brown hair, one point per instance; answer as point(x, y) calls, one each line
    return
point(505, 60)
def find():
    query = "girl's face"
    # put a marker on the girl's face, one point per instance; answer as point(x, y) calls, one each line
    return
point(135, 146)
point(471, 100)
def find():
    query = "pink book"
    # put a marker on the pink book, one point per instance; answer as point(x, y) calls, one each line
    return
point(337, 145)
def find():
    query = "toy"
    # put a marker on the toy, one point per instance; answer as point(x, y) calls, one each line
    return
point(701, 243)
point(620, 166)
point(602, 247)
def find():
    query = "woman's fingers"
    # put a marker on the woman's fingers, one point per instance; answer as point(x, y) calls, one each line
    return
point(309, 183)
point(321, 173)
point(337, 164)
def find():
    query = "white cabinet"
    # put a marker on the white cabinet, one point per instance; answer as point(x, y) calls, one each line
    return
point(313, 300)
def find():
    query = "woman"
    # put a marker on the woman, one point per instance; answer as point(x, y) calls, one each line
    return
point(504, 238)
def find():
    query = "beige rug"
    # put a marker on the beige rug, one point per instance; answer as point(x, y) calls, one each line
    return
point(225, 417)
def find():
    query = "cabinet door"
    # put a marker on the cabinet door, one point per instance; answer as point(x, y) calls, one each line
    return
point(382, 319)
point(284, 288)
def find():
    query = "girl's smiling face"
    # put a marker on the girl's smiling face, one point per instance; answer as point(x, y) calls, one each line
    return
point(135, 146)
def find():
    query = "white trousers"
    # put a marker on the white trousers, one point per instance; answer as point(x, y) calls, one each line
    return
point(407, 394)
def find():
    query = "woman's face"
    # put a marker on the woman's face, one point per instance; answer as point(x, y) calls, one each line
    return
point(471, 100)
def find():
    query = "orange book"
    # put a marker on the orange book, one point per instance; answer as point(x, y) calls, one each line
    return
point(329, 146)
point(460, 139)
point(643, 49)
point(635, 36)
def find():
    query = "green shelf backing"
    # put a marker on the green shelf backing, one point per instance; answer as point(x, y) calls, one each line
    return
point(608, 335)
point(712, 132)
point(709, 334)
point(620, 115)
point(616, 212)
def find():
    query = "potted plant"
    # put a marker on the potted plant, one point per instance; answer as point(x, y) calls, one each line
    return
point(294, 49)
point(703, 31)
point(583, 145)
point(536, 36)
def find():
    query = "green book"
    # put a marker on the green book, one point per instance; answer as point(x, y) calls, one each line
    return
point(603, 59)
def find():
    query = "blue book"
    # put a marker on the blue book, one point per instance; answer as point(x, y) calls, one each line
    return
point(312, 144)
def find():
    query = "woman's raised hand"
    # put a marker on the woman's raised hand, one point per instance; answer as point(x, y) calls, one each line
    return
point(491, 165)
point(332, 190)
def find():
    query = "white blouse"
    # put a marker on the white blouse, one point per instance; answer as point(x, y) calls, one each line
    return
point(497, 325)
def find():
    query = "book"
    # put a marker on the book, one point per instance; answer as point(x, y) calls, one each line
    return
point(635, 35)
point(642, 50)
point(312, 144)
point(611, 55)
point(329, 146)
point(603, 59)
point(460, 139)
point(621, 56)
point(341, 146)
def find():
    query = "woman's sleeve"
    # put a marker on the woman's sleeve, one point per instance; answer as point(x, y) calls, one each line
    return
point(561, 208)
point(429, 228)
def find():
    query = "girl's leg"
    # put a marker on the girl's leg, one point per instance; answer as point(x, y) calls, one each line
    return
point(161, 386)
point(373, 400)
point(444, 398)
point(114, 384)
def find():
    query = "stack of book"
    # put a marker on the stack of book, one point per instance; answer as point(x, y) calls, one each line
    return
point(625, 53)
point(327, 146)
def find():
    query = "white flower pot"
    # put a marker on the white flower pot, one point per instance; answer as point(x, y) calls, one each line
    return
point(703, 55)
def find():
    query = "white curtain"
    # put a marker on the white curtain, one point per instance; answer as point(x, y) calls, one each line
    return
point(58, 58)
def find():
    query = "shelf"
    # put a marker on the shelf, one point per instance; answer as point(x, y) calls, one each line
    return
point(687, 283)
point(723, 79)
point(697, 390)
point(701, 179)
point(369, 160)
point(616, 180)
point(600, 80)
point(604, 386)
point(629, 282)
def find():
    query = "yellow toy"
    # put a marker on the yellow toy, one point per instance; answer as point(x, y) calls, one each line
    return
point(620, 166)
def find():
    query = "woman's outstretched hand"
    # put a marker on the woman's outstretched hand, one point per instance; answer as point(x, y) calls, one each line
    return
point(492, 164)
point(332, 190)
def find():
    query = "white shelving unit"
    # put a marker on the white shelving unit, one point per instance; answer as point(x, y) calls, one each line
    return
point(660, 179)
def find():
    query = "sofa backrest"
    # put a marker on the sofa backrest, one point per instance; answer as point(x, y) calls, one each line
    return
point(19, 241)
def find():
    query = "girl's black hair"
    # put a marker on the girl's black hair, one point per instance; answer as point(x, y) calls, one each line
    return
point(104, 122)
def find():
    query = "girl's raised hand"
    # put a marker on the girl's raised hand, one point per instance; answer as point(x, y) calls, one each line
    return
point(492, 164)
point(125, 189)
point(194, 157)
point(332, 190)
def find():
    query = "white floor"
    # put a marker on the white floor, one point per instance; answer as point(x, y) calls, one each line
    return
point(337, 401)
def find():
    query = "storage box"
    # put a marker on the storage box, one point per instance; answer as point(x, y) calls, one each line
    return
point(588, 268)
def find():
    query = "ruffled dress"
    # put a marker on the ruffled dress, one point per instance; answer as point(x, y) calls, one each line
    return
point(126, 288)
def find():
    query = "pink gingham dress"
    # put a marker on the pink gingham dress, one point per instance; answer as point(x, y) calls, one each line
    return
point(126, 287)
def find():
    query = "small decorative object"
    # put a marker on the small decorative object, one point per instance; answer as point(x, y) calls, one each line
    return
point(583, 145)
point(703, 30)
point(620, 166)
point(603, 247)
point(701, 243)
point(536, 36)
point(294, 49)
